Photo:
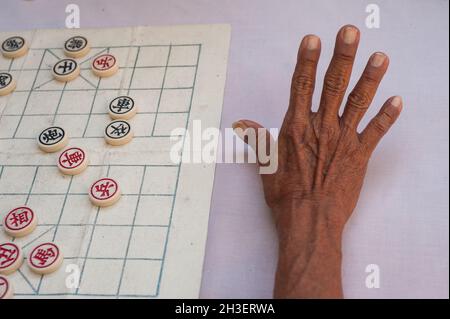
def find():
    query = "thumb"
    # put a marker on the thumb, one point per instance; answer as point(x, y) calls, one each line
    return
point(255, 135)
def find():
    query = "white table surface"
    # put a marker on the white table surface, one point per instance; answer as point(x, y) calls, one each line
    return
point(401, 221)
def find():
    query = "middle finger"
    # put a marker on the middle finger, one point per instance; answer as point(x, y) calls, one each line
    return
point(338, 73)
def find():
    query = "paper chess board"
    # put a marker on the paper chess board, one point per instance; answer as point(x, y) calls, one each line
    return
point(151, 243)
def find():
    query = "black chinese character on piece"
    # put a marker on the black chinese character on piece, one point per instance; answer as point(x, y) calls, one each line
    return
point(5, 79)
point(51, 135)
point(13, 44)
point(76, 43)
point(65, 66)
point(117, 129)
point(121, 105)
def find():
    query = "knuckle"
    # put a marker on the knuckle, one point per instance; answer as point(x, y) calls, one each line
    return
point(387, 117)
point(379, 126)
point(303, 84)
point(335, 84)
point(370, 79)
point(344, 59)
point(336, 79)
point(309, 63)
point(383, 122)
point(359, 100)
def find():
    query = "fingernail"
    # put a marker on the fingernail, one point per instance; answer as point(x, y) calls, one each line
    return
point(396, 101)
point(377, 59)
point(350, 35)
point(312, 43)
point(239, 124)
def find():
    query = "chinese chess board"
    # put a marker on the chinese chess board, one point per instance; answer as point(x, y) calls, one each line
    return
point(151, 243)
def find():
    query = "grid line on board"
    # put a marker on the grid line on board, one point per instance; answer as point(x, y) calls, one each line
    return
point(58, 224)
point(29, 95)
point(178, 173)
point(62, 209)
point(32, 185)
point(131, 232)
point(140, 194)
point(92, 105)
point(134, 69)
point(162, 89)
point(90, 238)
point(19, 132)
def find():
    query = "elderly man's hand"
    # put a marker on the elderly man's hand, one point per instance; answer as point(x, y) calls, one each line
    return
point(322, 160)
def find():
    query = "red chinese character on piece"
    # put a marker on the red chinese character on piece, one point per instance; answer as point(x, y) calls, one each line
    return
point(104, 62)
point(103, 188)
point(19, 218)
point(20, 221)
point(44, 254)
point(8, 254)
point(72, 158)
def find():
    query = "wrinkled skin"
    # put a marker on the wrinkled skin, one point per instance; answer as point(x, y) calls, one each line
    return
point(322, 160)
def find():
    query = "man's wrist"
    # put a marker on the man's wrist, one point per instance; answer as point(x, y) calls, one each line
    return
point(310, 233)
point(301, 220)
